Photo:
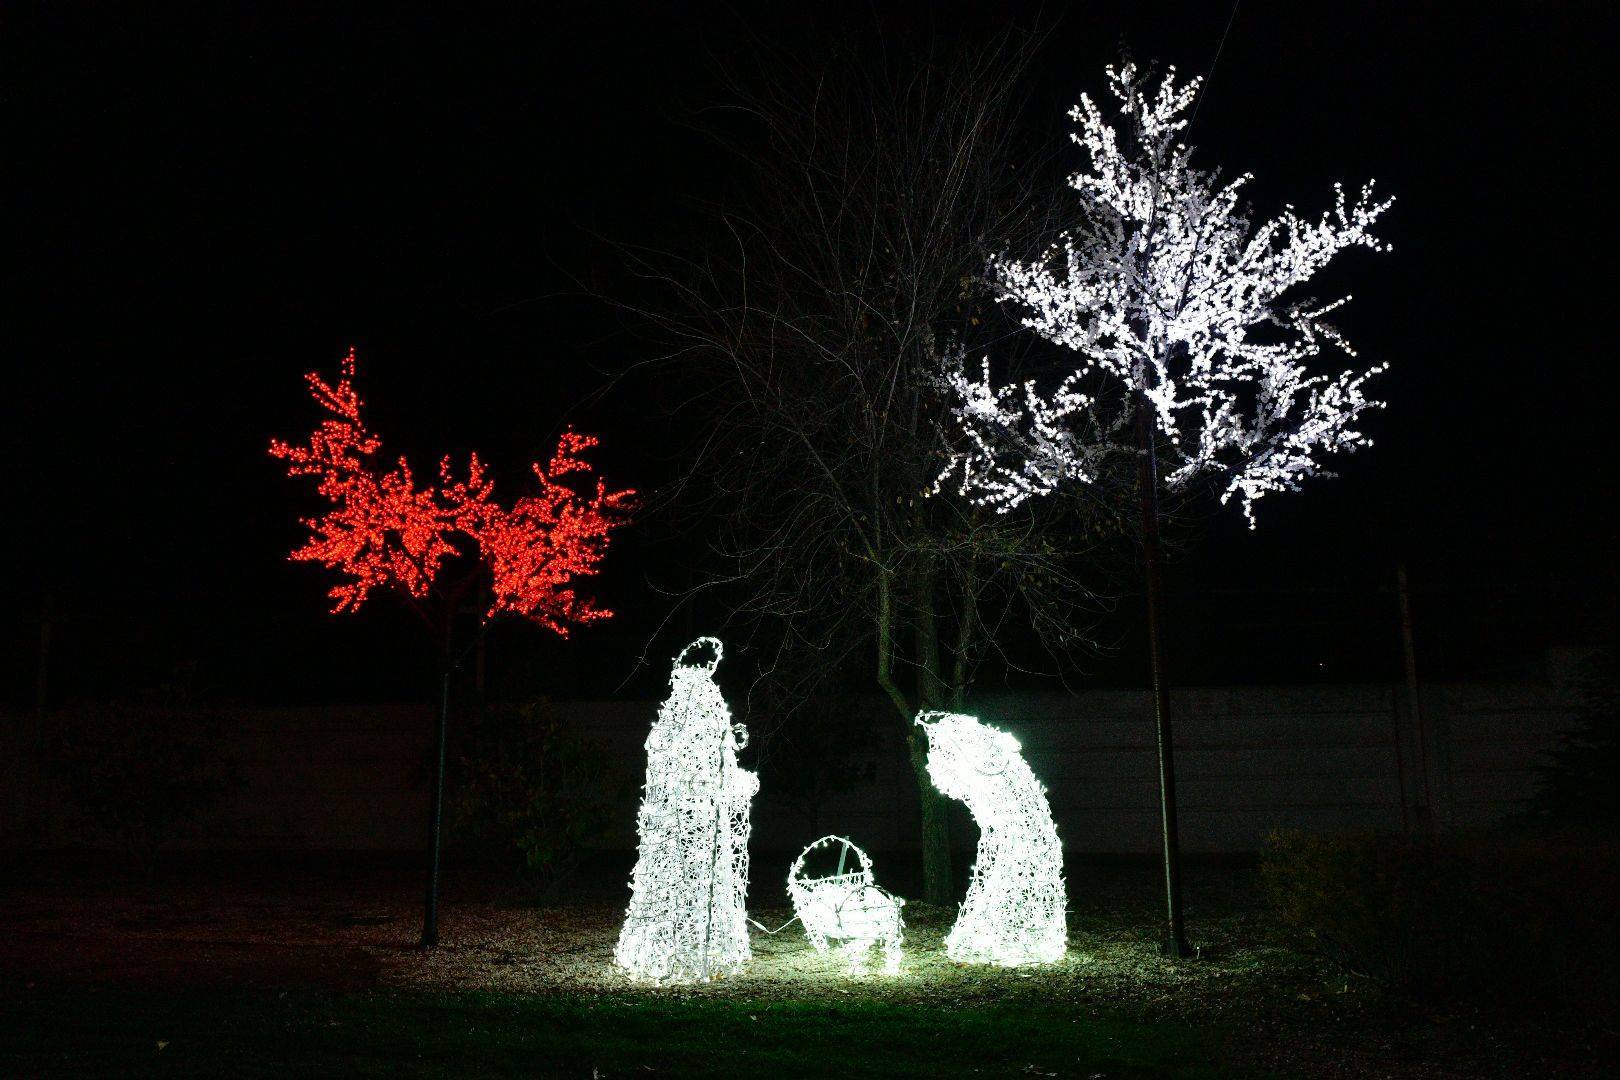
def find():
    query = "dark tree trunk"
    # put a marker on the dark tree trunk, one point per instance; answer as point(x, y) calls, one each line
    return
point(936, 828)
point(935, 818)
point(931, 694)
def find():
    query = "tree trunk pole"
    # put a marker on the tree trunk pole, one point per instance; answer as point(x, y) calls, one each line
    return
point(430, 912)
point(42, 674)
point(1147, 477)
point(936, 828)
point(1414, 700)
point(938, 888)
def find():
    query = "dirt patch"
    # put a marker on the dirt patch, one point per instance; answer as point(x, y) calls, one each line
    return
point(80, 959)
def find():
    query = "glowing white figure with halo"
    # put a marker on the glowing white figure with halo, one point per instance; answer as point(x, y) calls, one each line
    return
point(1013, 914)
point(848, 907)
point(687, 920)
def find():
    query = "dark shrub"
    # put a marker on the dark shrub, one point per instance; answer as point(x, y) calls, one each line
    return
point(1493, 914)
point(527, 795)
point(1581, 784)
point(137, 769)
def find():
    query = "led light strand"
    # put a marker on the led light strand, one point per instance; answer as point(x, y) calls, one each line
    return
point(847, 907)
point(1166, 288)
point(383, 529)
point(1014, 911)
point(687, 920)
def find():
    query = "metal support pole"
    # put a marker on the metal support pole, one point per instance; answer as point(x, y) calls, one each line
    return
point(430, 913)
point(1175, 939)
point(42, 674)
point(1414, 698)
point(1400, 766)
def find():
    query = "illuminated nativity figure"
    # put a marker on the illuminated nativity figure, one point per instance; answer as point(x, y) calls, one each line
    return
point(1013, 914)
point(847, 907)
point(687, 922)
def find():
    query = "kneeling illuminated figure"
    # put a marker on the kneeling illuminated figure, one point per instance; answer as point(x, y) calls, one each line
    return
point(1013, 914)
point(847, 907)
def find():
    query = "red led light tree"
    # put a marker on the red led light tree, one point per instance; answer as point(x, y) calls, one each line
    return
point(436, 544)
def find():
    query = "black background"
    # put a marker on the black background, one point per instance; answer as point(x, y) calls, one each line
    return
point(206, 201)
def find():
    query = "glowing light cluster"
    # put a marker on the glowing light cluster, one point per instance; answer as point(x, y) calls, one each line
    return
point(1168, 289)
point(385, 529)
point(1014, 911)
point(847, 907)
point(687, 920)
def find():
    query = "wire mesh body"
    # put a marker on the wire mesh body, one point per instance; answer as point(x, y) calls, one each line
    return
point(847, 909)
point(687, 920)
point(1014, 911)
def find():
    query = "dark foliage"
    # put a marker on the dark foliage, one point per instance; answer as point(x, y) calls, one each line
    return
point(1582, 783)
point(1510, 916)
point(526, 795)
point(810, 754)
point(139, 768)
point(846, 266)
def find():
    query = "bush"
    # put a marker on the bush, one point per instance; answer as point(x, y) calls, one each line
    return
point(1497, 914)
point(1579, 784)
point(137, 769)
point(526, 795)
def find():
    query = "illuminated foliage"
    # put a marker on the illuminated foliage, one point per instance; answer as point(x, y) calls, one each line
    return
point(1169, 293)
point(687, 920)
point(1014, 911)
point(385, 529)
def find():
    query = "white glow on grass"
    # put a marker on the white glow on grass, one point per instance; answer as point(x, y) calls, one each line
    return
point(847, 907)
point(687, 920)
point(1013, 914)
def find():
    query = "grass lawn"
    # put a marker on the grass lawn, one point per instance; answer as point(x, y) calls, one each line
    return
point(416, 1033)
point(264, 972)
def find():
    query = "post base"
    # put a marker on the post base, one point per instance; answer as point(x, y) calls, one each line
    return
point(1175, 947)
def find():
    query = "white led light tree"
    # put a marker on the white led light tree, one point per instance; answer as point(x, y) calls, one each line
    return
point(1014, 911)
point(687, 920)
point(1191, 345)
point(1175, 300)
point(847, 907)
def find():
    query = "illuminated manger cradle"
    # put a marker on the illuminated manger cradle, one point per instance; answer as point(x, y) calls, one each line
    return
point(687, 921)
point(847, 907)
point(1014, 911)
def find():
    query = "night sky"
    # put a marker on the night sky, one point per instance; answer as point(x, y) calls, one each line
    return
point(206, 201)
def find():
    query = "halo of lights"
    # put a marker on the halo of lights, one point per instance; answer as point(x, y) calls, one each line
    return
point(847, 907)
point(687, 920)
point(1013, 914)
point(1168, 291)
